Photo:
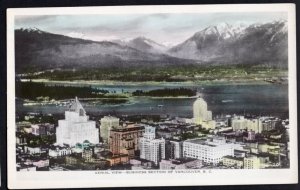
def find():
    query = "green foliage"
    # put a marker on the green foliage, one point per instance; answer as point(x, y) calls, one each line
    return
point(40, 140)
point(31, 90)
point(166, 92)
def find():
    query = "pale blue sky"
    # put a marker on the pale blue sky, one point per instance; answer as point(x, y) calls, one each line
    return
point(163, 28)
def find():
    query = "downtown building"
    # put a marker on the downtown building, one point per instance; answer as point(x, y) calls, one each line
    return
point(201, 115)
point(180, 164)
point(151, 149)
point(239, 123)
point(257, 125)
point(106, 124)
point(208, 150)
point(252, 162)
point(58, 151)
point(233, 161)
point(125, 140)
point(268, 123)
point(42, 129)
point(175, 150)
point(76, 127)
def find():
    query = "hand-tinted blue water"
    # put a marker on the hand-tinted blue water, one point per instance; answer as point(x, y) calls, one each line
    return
point(261, 99)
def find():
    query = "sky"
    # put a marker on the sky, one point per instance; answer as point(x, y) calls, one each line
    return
point(167, 28)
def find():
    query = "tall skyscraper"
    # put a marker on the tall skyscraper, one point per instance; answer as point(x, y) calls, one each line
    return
point(201, 115)
point(76, 127)
point(150, 148)
point(108, 123)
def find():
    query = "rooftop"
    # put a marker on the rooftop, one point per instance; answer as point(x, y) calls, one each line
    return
point(200, 142)
point(110, 117)
point(127, 129)
point(213, 142)
point(234, 158)
point(77, 107)
point(196, 141)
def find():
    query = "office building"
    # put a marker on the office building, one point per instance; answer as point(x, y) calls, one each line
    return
point(176, 149)
point(150, 148)
point(76, 127)
point(232, 161)
point(239, 123)
point(208, 150)
point(251, 162)
point(58, 151)
point(106, 124)
point(125, 140)
point(180, 164)
point(269, 123)
point(42, 129)
point(87, 154)
point(201, 115)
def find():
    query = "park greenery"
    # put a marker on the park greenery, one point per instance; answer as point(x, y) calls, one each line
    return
point(166, 92)
point(38, 91)
point(34, 91)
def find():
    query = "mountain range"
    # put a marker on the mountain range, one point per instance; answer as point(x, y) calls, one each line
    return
point(257, 44)
point(144, 44)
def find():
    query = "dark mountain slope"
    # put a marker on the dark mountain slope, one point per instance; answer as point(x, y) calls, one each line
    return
point(38, 50)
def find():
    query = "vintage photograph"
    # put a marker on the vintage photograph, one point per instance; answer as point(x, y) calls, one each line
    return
point(157, 91)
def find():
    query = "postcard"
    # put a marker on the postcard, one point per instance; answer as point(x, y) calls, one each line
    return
point(126, 96)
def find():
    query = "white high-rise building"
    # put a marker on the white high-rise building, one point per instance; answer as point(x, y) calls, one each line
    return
point(201, 115)
point(150, 148)
point(242, 123)
point(108, 123)
point(76, 127)
point(210, 150)
point(252, 162)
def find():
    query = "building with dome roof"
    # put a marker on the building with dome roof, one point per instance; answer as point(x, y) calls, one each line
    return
point(201, 115)
point(76, 127)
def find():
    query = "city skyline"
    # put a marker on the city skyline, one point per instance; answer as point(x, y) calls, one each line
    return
point(189, 143)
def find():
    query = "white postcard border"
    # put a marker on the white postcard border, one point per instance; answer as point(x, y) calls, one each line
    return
point(76, 179)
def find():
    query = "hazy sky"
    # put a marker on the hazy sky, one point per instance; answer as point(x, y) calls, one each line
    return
point(163, 28)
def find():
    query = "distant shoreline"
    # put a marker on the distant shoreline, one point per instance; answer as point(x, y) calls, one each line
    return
point(149, 83)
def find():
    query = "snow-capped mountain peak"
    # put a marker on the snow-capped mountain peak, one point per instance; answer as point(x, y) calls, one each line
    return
point(222, 31)
point(33, 29)
point(231, 41)
point(143, 44)
point(147, 41)
point(77, 35)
